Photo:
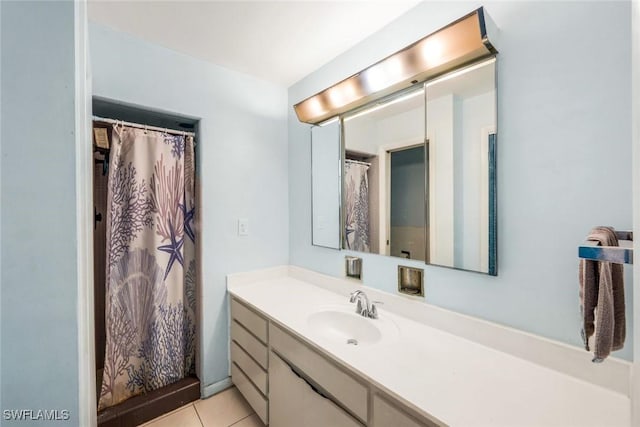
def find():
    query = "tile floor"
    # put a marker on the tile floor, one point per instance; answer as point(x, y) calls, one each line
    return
point(224, 409)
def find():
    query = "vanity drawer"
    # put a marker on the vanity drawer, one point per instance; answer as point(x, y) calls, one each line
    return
point(386, 413)
point(253, 396)
point(293, 402)
point(256, 374)
point(351, 393)
point(249, 343)
point(254, 323)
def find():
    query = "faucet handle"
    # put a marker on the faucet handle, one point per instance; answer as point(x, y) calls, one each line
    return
point(374, 303)
point(373, 313)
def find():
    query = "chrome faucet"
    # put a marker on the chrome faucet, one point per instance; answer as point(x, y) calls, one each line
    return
point(363, 306)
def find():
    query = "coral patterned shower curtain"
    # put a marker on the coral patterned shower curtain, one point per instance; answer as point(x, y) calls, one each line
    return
point(356, 227)
point(151, 270)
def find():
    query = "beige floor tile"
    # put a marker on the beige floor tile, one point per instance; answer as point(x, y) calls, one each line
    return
point(250, 421)
point(181, 417)
point(223, 409)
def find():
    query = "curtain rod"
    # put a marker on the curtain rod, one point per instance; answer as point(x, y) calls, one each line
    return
point(146, 127)
point(358, 162)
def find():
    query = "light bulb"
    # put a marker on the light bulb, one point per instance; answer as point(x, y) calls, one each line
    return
point(432, 50)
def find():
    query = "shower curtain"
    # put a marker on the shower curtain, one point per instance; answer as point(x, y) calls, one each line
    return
point(150, 269)
point(356, 206)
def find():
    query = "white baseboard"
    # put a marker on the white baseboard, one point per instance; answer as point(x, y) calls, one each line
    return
point(216, 388)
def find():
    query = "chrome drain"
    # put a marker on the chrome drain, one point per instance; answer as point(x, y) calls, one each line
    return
point(352, 341)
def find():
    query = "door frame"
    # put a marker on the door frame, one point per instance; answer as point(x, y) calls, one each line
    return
point(87, 415)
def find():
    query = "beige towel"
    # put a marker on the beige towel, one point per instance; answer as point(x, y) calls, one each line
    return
point(602, 299)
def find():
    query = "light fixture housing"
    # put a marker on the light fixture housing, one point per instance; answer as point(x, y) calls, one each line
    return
point(459, 43)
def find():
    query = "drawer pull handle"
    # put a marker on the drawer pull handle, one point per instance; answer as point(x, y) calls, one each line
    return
point(311, 385)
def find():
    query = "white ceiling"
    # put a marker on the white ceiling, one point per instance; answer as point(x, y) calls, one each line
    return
point(278, 41)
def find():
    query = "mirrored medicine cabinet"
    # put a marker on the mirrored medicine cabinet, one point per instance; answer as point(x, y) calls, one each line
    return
point(412, 174)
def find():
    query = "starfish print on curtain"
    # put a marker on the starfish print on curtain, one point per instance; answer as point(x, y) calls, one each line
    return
point(168, 191)
point(174, 249)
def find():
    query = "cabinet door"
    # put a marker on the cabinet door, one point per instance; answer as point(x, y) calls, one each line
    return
point(294, 403)
point(351, 393)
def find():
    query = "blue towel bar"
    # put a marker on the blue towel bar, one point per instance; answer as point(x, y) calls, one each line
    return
point(622, 254)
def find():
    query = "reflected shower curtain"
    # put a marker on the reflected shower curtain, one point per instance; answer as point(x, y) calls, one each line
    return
point(356, 206)
point(150, 269)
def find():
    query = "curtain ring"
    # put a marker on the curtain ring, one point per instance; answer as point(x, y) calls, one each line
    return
point(118, 127)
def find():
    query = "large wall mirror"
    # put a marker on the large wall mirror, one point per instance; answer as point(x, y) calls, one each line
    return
point(418, 172)
point(416, 137)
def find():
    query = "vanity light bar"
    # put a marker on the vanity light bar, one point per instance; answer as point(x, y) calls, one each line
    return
point(461, 42)
point(384, 103)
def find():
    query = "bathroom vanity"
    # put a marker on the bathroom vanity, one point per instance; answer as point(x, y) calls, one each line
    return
point(301, 356)
point(291, 382)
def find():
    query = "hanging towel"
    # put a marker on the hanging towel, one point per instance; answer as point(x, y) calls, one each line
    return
point(602, 299)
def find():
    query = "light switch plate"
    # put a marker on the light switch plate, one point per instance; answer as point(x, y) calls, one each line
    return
point(243, 227)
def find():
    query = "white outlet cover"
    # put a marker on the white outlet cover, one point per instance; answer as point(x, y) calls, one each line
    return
point(243, 227)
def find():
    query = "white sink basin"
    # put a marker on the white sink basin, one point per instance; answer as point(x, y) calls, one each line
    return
point(343, 326)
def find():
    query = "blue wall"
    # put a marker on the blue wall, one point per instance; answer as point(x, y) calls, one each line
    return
point(242, 162)
point(564, 158)
point(38, 210)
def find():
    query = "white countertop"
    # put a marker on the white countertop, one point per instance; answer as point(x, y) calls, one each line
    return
point(456, 380)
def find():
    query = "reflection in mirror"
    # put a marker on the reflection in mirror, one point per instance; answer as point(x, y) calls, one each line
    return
point(461, 127)
point(384, 178)
point(325, 184)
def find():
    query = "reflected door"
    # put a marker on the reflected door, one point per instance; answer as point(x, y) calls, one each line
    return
point(406, 205)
